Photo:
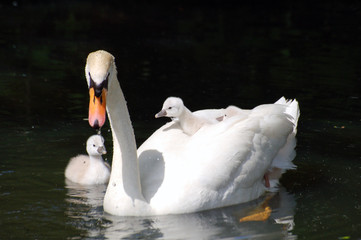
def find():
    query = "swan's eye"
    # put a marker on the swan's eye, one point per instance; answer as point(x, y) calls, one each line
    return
point(93, 145)
point(169, 108)
point(98, 88)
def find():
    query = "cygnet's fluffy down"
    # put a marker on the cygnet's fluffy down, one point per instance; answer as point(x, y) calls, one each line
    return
point(173, 107)
point(232, 111)
point(89, 170)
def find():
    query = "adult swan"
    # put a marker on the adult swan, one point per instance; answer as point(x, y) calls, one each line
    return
point(220, 165)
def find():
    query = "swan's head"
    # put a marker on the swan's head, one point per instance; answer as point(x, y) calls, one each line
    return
point(172, 107)
point(98, 70)
point(95, 146)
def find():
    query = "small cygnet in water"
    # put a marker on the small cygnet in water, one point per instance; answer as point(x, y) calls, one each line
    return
point(173, 107)
point(89, 169)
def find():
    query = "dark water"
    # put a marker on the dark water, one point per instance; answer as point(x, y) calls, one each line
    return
point(211, 55)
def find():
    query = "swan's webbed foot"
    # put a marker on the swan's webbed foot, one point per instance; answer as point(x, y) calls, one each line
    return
point(261, 213)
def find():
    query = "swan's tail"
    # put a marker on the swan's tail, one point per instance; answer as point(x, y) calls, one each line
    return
point(292, 110)
point(284, 158)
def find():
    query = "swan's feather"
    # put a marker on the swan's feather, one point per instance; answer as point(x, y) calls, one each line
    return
point(222, 163)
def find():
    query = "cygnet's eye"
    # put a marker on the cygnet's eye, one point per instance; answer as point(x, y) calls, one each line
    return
point(93, 145)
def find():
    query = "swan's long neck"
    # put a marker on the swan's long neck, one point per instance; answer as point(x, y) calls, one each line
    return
point(124, 177)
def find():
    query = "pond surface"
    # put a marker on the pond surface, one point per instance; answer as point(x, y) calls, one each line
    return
point(210, 55)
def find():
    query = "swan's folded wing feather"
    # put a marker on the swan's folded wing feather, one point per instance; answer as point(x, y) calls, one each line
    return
point(224, 162)
point(238, 151)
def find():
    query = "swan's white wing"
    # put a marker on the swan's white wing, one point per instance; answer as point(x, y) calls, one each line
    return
point(217, 115)
point(221, 164)
point(210, 114)
point(158, 152)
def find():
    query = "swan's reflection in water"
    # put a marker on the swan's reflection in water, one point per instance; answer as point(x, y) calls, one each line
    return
point(85, 212)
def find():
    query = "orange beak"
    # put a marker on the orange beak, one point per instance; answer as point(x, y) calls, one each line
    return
point(97, 108)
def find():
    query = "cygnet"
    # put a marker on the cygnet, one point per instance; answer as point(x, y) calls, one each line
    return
point(231, 111)
point(174, 108)
point(89, 169)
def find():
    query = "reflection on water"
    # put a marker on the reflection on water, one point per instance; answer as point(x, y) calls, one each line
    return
point(85, 212)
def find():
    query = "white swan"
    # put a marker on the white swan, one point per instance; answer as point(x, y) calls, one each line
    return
point(89, 170)
point(280, 163)
point(173, 107)
point(220, 165)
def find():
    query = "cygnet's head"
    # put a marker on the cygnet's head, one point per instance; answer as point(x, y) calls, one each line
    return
point(231, 111)
point(172, 107)
point(95, 145)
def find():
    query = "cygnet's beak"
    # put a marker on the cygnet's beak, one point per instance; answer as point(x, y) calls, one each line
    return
point(101, 150)
point(221, 118)
point(162, 113)
point(97, 108)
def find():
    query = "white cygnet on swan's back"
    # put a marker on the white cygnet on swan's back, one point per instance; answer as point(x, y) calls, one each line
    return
point(232, 111)
point(89, 170)
point(173, 107)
